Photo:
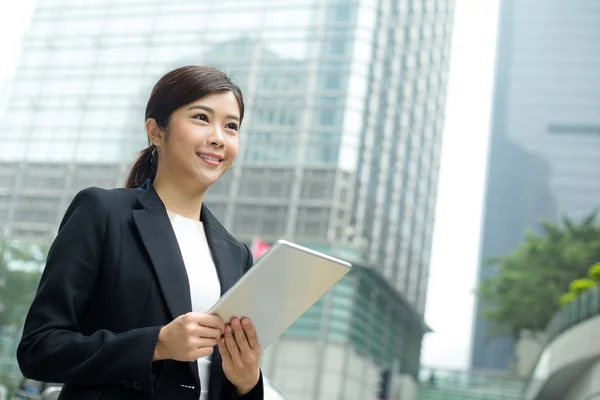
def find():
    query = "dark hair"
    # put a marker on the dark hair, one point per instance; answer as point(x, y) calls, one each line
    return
point(176, 89)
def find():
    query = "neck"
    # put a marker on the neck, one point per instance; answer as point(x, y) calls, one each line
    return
point(178, 197)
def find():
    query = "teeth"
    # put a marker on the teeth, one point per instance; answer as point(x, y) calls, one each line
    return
point(209, 158)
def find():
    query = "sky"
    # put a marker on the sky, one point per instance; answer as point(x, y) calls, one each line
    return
point(455, 252)
point(461, 187)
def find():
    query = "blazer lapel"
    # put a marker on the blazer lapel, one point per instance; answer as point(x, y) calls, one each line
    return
point(161, 244)
point(225, 253)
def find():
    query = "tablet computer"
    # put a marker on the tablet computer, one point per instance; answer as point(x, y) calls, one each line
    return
point(285, 282)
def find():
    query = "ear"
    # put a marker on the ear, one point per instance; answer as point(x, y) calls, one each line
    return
point(155, 134)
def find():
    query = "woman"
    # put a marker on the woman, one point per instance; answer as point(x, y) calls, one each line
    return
point(120, 310)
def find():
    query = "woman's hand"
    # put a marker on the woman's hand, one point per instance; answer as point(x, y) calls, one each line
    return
point(189, 337)
point(241, 351)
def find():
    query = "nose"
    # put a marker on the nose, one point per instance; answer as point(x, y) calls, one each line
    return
point(217, 137)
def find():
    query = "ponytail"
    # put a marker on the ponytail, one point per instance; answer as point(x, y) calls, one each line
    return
point(143, 169)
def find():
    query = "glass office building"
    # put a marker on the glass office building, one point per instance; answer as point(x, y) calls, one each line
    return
point(343, 131)
point(340, 147)
point(342, 347)
point(545, 137)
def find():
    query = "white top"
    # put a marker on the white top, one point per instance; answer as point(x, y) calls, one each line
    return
point(205, 288)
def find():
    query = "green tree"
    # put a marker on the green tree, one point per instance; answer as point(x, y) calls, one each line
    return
point(20, 271)
point(524, 294)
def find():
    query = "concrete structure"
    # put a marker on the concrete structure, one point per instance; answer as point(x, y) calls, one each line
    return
point(545, 133)
point(569, 365)
point(526, 352)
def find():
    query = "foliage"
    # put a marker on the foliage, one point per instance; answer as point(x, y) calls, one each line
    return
point(524, 293)
point(566, 298)
point(20, 271)
point(594, 272)
point(579, 286)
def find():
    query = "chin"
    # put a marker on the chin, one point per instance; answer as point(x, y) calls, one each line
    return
point(207, 181)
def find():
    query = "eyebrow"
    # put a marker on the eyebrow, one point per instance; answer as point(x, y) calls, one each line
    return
point(210, 110)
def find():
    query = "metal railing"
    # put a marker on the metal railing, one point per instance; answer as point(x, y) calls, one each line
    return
point(582, 308)
point(437, 384)
point(585, 306)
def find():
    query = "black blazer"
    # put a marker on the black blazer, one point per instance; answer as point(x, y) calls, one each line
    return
point(114, 276)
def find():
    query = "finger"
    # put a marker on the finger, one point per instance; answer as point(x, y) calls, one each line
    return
point(232, 347)
point(208, 320)
point(240, 336)
point(205, 332)
point(251, 334)
point(195, 343)
point(206, 342)
point(224, 352)
point(202, 352)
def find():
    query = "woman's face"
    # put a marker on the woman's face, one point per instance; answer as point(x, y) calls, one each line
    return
point(202, 139)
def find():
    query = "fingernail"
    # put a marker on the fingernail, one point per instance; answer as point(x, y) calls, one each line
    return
point(228, 329)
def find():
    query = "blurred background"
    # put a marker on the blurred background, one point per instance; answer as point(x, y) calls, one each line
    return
point(447, 148)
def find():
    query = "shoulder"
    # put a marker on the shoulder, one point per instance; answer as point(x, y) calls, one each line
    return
point(105, 197)
point(99, 208)
point(98, 203)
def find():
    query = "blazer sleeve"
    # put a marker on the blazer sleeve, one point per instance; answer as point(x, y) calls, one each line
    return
point(52, 348)
point(249, 259)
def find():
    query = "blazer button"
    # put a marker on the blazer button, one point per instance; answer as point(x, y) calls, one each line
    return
point(127, 384)
point(137, 386)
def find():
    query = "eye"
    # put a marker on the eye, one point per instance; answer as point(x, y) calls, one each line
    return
point(201, 117)
point(232, 125)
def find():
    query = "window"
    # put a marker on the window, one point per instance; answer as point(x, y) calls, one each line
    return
point(4, 201)
point(279, 183)
point(222, 186)
point(327, 117)
point(338, 47)
point(323, 148)
point(317, 185)
point(341, 12)
point(37, 209)
point(96, 175)
point(44, 182)
point(252, 183)
point(218, 210)
point(270, 184)
point(261, 220)
point(332, 82)
point(312, 223)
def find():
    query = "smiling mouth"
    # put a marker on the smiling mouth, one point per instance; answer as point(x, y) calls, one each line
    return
point(210, 159)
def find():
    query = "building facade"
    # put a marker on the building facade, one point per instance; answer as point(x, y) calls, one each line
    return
point(545, 134)
point(343, 131)
point(342, 347)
